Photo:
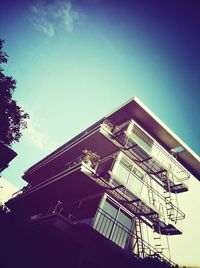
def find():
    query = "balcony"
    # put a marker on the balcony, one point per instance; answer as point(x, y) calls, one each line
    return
point(147, 153)
point(130, 186)
point(111, 229)
point(127, 185)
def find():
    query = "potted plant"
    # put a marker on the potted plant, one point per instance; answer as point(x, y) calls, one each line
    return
point(90, 158)
point(108, 125)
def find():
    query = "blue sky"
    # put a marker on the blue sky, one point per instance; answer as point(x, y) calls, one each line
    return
point(76, 61)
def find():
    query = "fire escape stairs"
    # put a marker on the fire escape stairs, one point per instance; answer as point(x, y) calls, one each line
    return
point(139, 240)
point(157, 242)
point(161, 173)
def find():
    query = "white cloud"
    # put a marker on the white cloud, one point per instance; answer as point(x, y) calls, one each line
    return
point(45, 17)
point(39, 19)
point(35, 134)
point(42, 25)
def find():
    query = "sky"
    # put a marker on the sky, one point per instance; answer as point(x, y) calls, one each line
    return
point(76, 61)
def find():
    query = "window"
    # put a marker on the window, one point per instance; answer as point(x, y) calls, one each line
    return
point(141, 138)
point(122, 170)
point(129, 175)
point(144, 137)
point(138, 173)
point(114, 223)
point(120, 234)
point(105, 218)
point(135, 185)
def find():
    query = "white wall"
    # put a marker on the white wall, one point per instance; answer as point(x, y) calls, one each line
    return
point(6, 190)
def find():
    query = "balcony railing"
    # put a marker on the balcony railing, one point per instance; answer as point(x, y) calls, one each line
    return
point(152, 158)
point(153, 197)
point(112, 229)
point(147, 212)
point(127, 239)
point(56, 209)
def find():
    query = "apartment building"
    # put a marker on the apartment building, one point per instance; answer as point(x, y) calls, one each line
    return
point(112, 191)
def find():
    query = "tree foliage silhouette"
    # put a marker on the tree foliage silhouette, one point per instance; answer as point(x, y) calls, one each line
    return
point(12, 117)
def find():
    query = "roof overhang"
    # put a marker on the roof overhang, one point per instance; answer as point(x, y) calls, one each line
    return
point(135, 109)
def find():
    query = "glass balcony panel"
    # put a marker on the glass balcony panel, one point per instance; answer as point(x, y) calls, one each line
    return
point(119, 236)
point(125, 220)
point(140, 142)
point(103, 222)
point(113, 223)
point(121, 172)
point(146, 148)
point(129, 175)
point(134, 185)
point(110, 209)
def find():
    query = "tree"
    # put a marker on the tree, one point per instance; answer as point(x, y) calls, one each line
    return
point(12, 117)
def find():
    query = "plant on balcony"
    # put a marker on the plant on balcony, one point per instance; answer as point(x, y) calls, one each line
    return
point(91, 158)
point(107, 124)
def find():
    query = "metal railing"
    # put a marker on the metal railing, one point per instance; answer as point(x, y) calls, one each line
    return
point(148, 162)
point(125, 238)
point(120, 192)
point(112, 229)
point(56, 209)
point(106, 165)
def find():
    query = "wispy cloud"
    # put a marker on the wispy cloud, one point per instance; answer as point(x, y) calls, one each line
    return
point(47, 16)
point(35, 134)
point(67, 15)
point(39, 19)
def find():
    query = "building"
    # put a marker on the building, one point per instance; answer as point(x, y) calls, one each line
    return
point(109, 196)
point(6, 155)
point(7, 189)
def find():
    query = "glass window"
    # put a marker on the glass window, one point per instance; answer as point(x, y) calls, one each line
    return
point(105, 219)
point(121, 230)
point(124, 219)
point(110, 209)
point(122, 170)
point(126, 163)
point(142, 139)
point(143, 136)
point(135, 185)
point(129, 175)
point(138, 172)
point(114, 224)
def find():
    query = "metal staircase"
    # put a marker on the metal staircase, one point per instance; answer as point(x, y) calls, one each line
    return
point(145, 160)
point(157, 241)
point(157, 172)
point(140, 250)
point(151, 194)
